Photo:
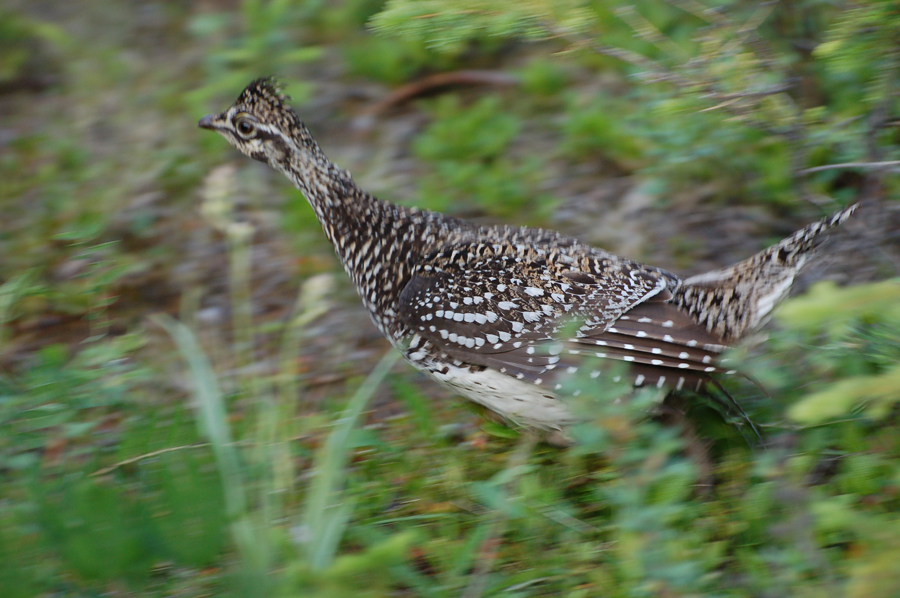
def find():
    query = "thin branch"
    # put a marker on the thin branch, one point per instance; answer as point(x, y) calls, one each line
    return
point(428, 85)
point(756, 94)
point(889, 165)
point(562, 518)
point(655, 72)
point(171, 449)
point(721, 105)
point(648, 31)
point(701, 11)
point(150, 455)
point(763, 11)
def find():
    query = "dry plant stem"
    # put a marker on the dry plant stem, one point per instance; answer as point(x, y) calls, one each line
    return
point(288, 382)
point(566, 520)
point(239, 237)
point(756, 19)
point(705, 13)
point(490, 547)
point(150, 455)
point(284, 392)
point(648, 32)
point(10, 291)
point(311, 303)
point(172, 449)
point(754, 94)
point(888, 165)
point(269, 429)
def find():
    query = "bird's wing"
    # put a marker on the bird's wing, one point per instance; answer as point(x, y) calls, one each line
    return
point(517, 309)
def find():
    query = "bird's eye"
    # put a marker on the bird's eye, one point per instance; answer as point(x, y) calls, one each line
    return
point(245, 128)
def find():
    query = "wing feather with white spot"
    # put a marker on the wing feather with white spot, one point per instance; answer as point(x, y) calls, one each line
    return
point(507, 307)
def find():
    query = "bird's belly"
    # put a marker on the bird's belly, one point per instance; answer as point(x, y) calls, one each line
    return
point(522, 403)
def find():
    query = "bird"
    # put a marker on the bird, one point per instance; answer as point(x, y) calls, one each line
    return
point(502, 314)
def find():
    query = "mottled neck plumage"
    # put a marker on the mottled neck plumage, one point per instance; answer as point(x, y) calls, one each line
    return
point(377, 242)
point(330, 190)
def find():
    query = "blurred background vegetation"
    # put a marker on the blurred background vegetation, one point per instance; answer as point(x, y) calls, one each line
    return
point(193, 403)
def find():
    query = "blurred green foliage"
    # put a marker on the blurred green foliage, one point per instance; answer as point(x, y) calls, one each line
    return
point(467, 147)
point(544, 79)
point(451, 27)
point(597, 129)
point(375, 58)
point(24, 43)
point(735, 103)
point(860, 355)
point(263, 37)
point(60, 397)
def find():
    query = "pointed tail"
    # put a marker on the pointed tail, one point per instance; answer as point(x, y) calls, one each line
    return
point(734, 301)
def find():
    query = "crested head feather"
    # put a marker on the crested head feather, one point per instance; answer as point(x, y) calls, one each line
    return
point(265, 100)
point(275, 124)
point(262, 125)
point(264, 88)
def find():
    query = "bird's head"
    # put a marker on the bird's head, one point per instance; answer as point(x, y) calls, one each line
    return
point(262, 125)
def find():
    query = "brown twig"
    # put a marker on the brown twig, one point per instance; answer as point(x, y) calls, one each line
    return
point(429, 84)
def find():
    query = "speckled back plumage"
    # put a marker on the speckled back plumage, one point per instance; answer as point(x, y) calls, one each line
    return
point(501, 314)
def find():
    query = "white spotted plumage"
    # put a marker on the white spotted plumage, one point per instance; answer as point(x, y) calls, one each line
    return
point(501, 313)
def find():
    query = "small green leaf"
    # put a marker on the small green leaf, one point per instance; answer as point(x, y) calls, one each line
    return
point(499, 430)
point(840, 398)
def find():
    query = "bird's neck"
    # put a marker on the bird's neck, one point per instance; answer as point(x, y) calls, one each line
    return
point(377, 242)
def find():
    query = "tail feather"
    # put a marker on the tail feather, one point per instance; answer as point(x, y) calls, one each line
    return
point(733, 301)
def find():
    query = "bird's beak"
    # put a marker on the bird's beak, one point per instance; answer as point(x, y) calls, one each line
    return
point(207, 122)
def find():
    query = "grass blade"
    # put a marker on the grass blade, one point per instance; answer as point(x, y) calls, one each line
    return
point(324, 516)
point(253, 547)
